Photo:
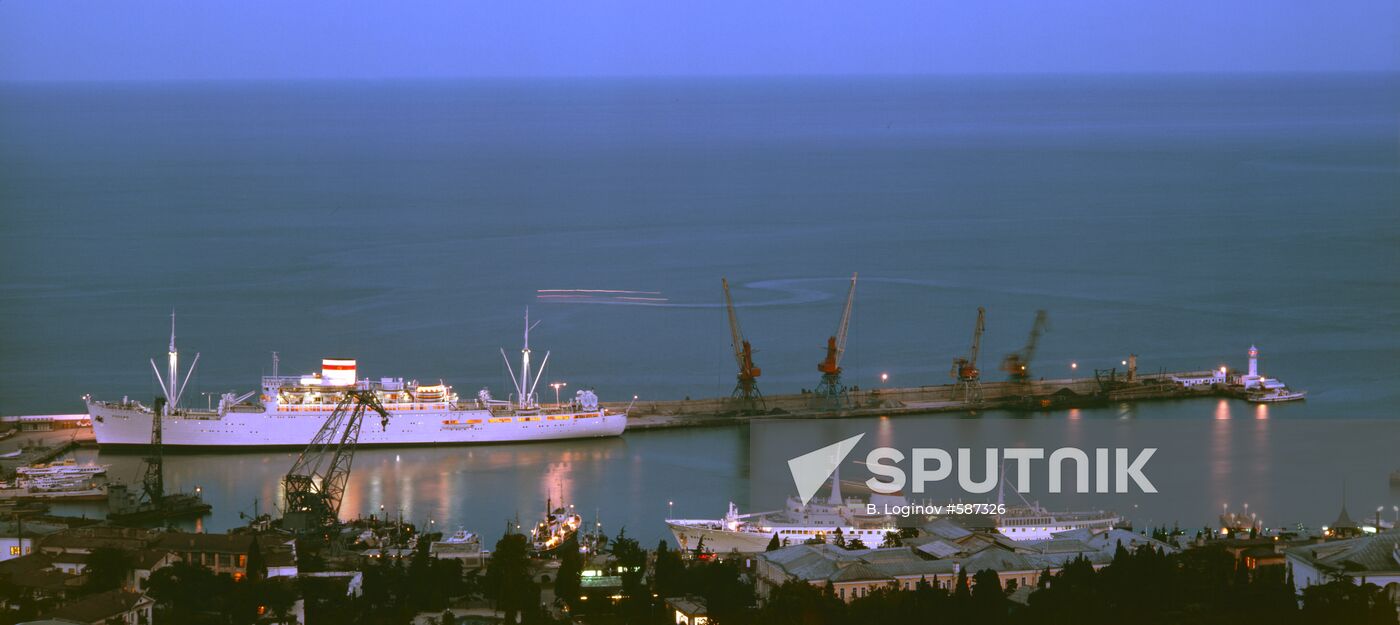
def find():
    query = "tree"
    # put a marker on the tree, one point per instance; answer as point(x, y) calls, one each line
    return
point(508, 581)
point(989, 604)
point(774, 544)
point(190, 593)
point(855, 543)
point(630, 560)
point(107, 568)
point(569, 580)
point(668, 578)
point(892, 539)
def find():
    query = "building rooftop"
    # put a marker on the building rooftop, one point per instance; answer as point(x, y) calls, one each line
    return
point(99, 607)
point(688, 605)
point(1378, 553)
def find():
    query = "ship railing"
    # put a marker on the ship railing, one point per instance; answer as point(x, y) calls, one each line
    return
point(278, 381)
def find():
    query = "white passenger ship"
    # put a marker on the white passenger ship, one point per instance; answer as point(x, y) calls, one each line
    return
point(798, 523)
point(289, 410)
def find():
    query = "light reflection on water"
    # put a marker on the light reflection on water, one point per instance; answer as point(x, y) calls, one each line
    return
point(1201, 466)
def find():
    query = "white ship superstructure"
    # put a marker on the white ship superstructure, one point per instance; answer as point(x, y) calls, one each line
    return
point(287, 411)
point(799, 522)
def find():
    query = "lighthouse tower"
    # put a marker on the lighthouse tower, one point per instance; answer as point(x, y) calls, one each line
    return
point(1253, 361)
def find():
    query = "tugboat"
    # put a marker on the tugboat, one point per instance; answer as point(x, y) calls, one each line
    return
point(558, 526)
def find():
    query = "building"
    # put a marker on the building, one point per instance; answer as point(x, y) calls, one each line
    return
point(228, 553)
point(114, 607)
point(1202, 380)
point(1373, 559)
point(86, 539)
point(688, 610)
point(937, 557)
point(35, 580)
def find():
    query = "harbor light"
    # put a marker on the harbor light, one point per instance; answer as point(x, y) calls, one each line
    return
point(884, 377)
point(1074, 365)
point(1125, 363)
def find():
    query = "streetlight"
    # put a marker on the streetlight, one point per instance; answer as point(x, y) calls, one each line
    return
point(557, 386)
point(884, 377)
point(670, 509)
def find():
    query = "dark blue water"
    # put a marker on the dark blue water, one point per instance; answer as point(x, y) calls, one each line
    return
point(409, 224)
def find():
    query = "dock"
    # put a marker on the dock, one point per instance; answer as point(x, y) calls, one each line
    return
point(1037, 395)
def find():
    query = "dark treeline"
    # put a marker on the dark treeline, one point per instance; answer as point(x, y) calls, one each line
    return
point(1200, 586)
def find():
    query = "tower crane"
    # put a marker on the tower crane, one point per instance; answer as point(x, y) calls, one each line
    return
point(831, 388)
point(1017, 364)
point(746, 395)
point(969, 378)
point(313, 495)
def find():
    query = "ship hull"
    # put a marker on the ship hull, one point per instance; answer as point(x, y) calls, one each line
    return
point(718, 540)
point(118, 427)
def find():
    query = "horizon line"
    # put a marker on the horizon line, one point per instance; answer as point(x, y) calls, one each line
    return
point(704, 76)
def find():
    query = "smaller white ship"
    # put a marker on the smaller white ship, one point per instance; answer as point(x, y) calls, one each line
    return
point(71, 488)
point(1275, 395)
point(67, 467)
point(461, 544)
point(821, 520)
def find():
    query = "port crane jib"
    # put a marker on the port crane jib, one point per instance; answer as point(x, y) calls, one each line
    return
point(831, 388)
point(315, 485)
point(746, 396)
point(965, 371)
point(1017, 364)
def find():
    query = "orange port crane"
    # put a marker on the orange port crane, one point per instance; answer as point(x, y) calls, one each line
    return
point(1017, 364)
point(969, 378)
point(831, 388)
point(746, 395)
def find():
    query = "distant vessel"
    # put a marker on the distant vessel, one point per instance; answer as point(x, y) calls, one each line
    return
point(68, 467)
point(820, 520)
point(291, 409)
point(460, 544)
point(1275, 395)
point(67, 488)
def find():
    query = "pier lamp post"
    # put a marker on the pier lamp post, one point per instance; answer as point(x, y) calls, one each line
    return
point(557, 386)
point(884, 377)
point(670, 509)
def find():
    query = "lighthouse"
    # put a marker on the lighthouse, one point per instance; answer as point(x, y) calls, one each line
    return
point(1253, 361)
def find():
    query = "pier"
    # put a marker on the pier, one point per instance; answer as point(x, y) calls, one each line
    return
point(1038, 395)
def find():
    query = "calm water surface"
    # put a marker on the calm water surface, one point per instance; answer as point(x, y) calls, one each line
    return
point(409, 224)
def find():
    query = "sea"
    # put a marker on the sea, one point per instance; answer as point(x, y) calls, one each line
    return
point(411, 224)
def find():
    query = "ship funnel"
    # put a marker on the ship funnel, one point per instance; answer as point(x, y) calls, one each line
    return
point(338, 371)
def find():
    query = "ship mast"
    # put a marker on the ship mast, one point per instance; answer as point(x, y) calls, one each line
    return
point(525, 387)
point(170, 385)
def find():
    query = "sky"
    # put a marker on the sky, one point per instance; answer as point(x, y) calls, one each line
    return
point(359, 39)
